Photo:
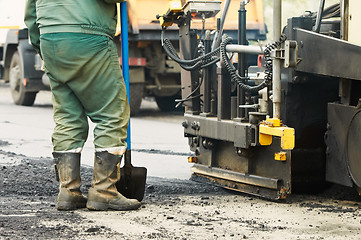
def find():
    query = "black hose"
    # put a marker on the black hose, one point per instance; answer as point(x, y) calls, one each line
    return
point(169, 49)
point(233, 71)
point(200, 62)
point(329, 12)
point(267, 57)
point(215, 60)
point(193, 64)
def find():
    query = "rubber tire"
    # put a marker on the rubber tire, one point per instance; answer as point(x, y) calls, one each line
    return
point(136, 96)
point(18, 92)
point(167, 104)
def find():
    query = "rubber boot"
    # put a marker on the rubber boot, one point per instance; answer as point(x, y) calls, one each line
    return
point(103, 194)
point(68, 174)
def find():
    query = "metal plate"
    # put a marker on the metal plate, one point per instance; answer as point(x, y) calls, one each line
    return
point(199, 8)
point(339, 119)
point(327, 56)
point(354, 149)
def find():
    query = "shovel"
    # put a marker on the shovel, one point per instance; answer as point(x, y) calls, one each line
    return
point(132, 179)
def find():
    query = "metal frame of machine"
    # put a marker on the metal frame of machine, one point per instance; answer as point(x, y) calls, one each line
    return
point(233, 122)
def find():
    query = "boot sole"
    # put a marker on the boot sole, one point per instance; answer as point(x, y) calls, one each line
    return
point(98, 206)
point(66, 206)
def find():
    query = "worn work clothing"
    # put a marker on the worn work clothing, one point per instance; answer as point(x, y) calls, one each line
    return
point(82, 16)
point(86, 80)
point(74, 39)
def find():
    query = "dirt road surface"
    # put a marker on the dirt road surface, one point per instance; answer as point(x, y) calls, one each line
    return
point(174, 207)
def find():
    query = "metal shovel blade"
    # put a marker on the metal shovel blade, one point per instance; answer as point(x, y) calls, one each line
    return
point(132, 180)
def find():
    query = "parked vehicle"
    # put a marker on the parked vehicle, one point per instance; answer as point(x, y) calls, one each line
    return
point(152, 72)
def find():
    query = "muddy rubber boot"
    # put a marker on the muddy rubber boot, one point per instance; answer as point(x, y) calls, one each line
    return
point(103, 194)
point(68, 174)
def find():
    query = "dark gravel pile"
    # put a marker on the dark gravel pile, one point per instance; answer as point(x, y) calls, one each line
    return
point(33, 177)
point(36, 177)
point(28, 191)
point(27, 202)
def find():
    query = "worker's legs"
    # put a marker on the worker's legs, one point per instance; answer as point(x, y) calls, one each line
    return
point(88, 66)
point(71, 124)
point(70, 132)
point(105, 101)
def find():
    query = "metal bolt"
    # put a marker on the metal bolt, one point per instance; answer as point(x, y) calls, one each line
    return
point(195, 125)
point(185, 124)
point(207, 144)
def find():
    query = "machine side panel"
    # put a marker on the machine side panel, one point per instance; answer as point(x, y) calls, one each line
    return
point(339, 118)
point(327, 56)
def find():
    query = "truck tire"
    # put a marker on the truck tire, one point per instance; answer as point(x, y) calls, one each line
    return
point(167, 104)
point(136, 96)
point(16, 76)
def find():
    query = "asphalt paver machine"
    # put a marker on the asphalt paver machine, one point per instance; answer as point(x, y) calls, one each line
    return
point(293, 121)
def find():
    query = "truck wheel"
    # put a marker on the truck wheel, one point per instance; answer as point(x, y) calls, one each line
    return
point(136, 96)
point(16, 75)
point(167, 104)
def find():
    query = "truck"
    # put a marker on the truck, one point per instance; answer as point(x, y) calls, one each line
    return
point(295, 125)
point(152, 72)
point(17, 57)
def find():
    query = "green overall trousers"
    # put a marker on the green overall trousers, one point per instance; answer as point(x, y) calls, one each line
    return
point(86, 81)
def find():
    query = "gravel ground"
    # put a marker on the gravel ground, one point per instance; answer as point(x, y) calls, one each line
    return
point(172, 209)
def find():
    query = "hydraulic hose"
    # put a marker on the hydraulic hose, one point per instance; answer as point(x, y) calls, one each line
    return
point(233, 71)
point(267, 57)
point(268, 64)
point(193, 64)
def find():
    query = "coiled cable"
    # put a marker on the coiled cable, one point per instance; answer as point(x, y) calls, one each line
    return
point(193, 64)
point(233, 71)
point(267, 57)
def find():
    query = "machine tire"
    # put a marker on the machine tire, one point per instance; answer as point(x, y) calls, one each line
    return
point(136, 96)
point(18, 91)
point(167, 104)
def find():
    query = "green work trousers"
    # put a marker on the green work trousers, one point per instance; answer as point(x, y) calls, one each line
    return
point(86, 81)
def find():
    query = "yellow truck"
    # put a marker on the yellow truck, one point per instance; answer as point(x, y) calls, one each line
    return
point(160, 76)
point(152, 73)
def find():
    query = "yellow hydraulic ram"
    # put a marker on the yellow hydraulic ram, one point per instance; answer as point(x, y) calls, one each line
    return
point(273, 127)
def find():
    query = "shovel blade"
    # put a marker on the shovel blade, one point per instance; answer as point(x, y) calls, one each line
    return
point(132, 182)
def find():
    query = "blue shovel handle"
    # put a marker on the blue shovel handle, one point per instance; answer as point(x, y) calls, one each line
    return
point(125, 56)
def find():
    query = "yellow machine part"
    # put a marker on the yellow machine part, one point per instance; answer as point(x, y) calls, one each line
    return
point(281, 156)
point(172, 14)
point(273, 127)
point(9, 27)
point(142, 14)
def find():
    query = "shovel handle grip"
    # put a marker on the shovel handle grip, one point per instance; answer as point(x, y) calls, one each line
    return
point(125, 56)
point(127, 158)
